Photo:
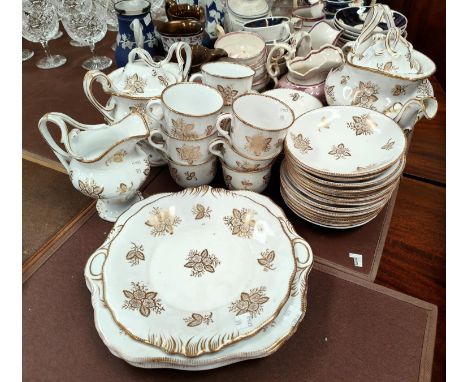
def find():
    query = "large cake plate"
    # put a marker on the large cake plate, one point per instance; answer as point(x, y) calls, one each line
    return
point(270, 227)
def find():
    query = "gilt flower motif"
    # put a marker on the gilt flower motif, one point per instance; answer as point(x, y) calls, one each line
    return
point(365, 95)
point(241, 222)
point(198, 319)
point(362, 125)
point(250, 303)
point(258, 144)
point(135, 84)
point(183, 130)
point(228, 94)
point(340, 151)
point(301, 143)
point(135, 255)
point(162, 222)
point(140, 299)
point(201, 262)
point(188, 153)
point(90, 188)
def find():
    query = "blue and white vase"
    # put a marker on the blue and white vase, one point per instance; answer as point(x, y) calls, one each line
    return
point(136, 29)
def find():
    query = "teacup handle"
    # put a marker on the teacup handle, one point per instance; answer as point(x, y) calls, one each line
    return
point(212, 147)
point(151, 106)
point(64, 156)
point(160, 146)
point(88, 81)
point(196, 76)
point(224, 133)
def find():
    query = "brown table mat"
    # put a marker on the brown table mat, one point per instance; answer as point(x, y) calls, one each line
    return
point(59, 89)
point(331, 247)
point(49, 202)
point(353, 330)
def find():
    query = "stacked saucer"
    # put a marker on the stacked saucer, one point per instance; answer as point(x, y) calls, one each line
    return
point(249, 49)
point(233, 288)
point(342, 164)
point(351, 21)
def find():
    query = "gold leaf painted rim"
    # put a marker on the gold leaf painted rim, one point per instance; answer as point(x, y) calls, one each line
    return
point(203, 69)
point(191, 353)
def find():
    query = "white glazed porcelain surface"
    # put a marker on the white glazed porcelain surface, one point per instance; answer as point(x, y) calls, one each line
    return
point(242, 45)
point(192, 175)
point(250, 180)
point(309, 16)
point(299, 102)
point(228, 154)
point(264, 343)
point(168, 301)
point(186, 119)
point(103, 161)
point(347, 141)
point(229, 78)
point(258, 125)
point(182, 151)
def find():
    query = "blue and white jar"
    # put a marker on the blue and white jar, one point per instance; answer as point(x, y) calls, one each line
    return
point(136, 29)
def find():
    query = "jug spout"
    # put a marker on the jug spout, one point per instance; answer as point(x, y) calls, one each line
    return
point(413, 110)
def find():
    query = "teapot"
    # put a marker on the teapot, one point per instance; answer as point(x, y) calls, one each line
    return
point(133, 86)
point(383, 72)
point(307, 73)
point(103, 161)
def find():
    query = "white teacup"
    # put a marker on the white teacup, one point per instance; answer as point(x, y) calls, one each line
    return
point(271, 28)
point(228, 154)
point(258, 125)
point(253, 180)
point(195, 175)
point(229, 78)
point(191, 152)
point(190, 109)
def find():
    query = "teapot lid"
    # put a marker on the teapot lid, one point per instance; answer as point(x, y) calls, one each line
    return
point(142, 77)
point(389, 53)
point(248, 8)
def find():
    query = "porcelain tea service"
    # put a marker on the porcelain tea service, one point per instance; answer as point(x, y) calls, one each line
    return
point(103, 161)
point(186, 175)
point(183, 151)
point(230, 79)
point(183, 118)
point(258, 125)
point(309, 16)
point(271, 29)
point(383, 72)
point(250, 180)
point(235, 160)
point(131, 87)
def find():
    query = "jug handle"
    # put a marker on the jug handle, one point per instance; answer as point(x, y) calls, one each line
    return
point(138, 33)
point(58, 119)
point(88, 81)
point(300, 37)
point(184, 70)
point(273, 67)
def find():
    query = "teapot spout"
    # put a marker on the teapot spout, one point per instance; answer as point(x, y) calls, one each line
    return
point(413, 110)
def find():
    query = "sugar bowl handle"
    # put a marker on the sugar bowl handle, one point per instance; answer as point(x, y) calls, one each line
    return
point(221, 131)
point(88, 81)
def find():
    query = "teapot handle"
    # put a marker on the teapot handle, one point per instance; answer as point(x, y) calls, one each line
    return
point(88, 81)
point(406, 118)
point(272, 66)
point(59, 119)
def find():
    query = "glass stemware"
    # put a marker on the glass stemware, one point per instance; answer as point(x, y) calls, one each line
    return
point(89, 27)
point(40, 24)
point(66, 7)
point(27, 54)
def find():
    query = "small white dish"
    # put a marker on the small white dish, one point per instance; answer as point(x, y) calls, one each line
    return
point(299, 102)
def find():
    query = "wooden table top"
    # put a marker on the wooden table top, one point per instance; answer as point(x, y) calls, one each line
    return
point(413, 260)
